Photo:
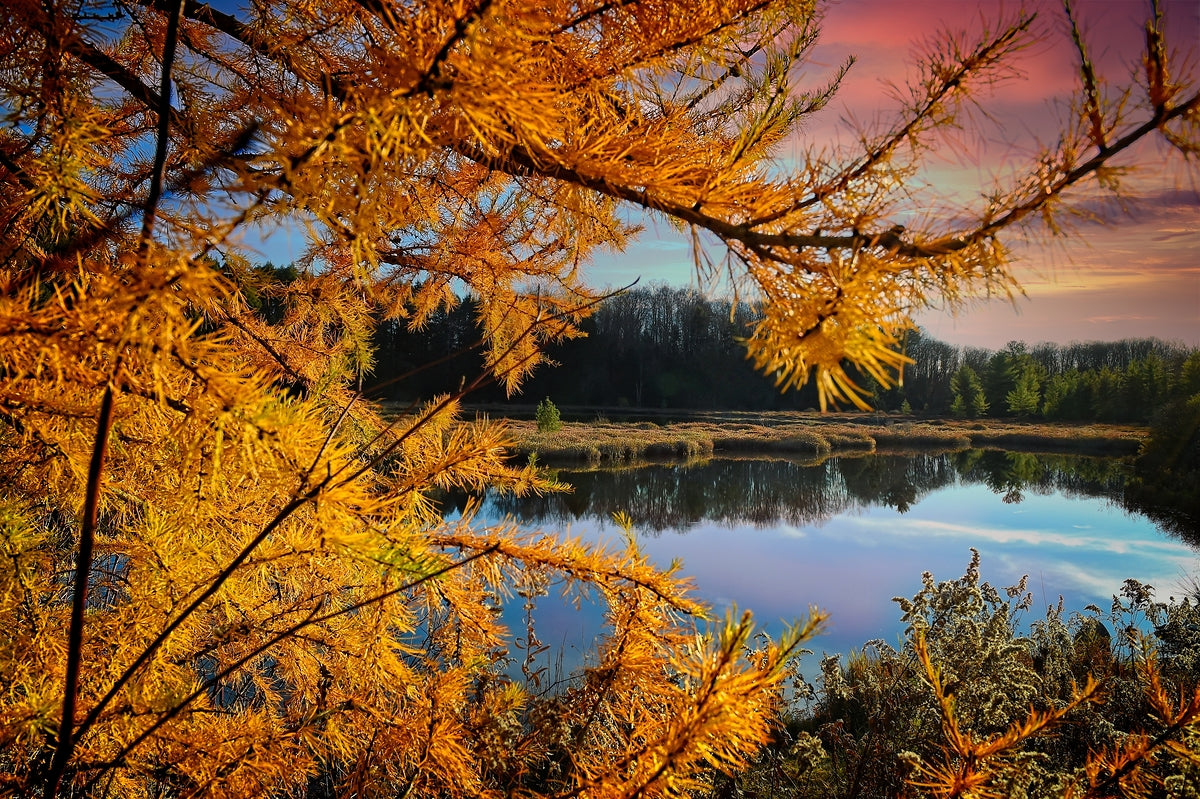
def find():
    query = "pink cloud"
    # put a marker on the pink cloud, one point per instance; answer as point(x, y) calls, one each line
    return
point(885, 35)
point(1137, 277)
point(1140, 276)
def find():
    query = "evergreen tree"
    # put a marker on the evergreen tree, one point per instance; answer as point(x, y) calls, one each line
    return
point(967, 390)
point(1025, 398)
point(1058, 390)
point(547, 416)
point(1187, 383)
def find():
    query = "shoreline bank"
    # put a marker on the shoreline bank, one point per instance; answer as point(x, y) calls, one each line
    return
point(602, 441)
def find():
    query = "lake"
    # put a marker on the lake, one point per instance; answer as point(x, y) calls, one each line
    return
point(849, 534)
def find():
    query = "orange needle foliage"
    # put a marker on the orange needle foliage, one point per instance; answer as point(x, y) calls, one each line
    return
point(222, 570)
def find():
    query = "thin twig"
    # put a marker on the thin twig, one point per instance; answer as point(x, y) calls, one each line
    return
point(150, 210)
point(83, 567)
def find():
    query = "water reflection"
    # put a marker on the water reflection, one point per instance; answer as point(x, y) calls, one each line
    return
point(849, 534)
point(764, 492)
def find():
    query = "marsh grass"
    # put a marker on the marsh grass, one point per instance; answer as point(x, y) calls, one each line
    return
point(600, 441)
point(792, 434)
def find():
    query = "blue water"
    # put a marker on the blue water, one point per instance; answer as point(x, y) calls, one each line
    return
point(852, 561)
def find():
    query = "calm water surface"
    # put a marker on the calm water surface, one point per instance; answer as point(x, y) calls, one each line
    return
point(776, 537)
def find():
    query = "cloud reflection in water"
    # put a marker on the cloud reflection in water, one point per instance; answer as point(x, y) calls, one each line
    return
point(848, 535)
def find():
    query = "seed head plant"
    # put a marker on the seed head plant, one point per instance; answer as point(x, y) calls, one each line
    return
point(972, 705)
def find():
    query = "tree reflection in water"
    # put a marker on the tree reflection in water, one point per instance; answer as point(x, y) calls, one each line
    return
point(853, 532)
point(765, 492)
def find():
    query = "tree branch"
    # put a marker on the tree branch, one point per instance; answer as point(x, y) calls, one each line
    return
point(521, 161)
point(150, 207)
point(308, 621)
point(67, 733)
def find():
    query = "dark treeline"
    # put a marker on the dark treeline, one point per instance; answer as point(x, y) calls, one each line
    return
point(675, 348)
point(644, 348)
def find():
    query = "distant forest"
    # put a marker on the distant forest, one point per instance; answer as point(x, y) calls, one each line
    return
point(674, 348)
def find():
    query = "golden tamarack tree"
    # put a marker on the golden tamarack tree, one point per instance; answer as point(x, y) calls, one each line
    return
point(222, 571)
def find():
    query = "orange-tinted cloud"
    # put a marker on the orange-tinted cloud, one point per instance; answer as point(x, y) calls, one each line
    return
point(1138, 277)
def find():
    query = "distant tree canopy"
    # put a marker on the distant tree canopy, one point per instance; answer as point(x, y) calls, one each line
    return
point(968, 393)
point(651, 348)
point(664, 347)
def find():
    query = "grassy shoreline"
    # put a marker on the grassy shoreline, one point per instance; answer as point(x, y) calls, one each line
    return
point(808, 435)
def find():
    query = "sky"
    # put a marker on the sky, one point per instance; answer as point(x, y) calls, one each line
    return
point(1137, 277)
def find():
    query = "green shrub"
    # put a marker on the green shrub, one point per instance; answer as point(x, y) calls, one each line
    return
point(548, 419)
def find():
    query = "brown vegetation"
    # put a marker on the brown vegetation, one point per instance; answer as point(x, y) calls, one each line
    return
point(979, 701)
point(816, 435)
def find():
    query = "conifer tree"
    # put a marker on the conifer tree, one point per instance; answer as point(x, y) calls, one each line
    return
point(1025, 398)
point(223, 571)
point(967, 389)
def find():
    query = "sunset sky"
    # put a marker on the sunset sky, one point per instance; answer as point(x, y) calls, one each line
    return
point(1138, 277)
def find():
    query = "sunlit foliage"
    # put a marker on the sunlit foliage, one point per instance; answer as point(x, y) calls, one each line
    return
point(223, 573)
